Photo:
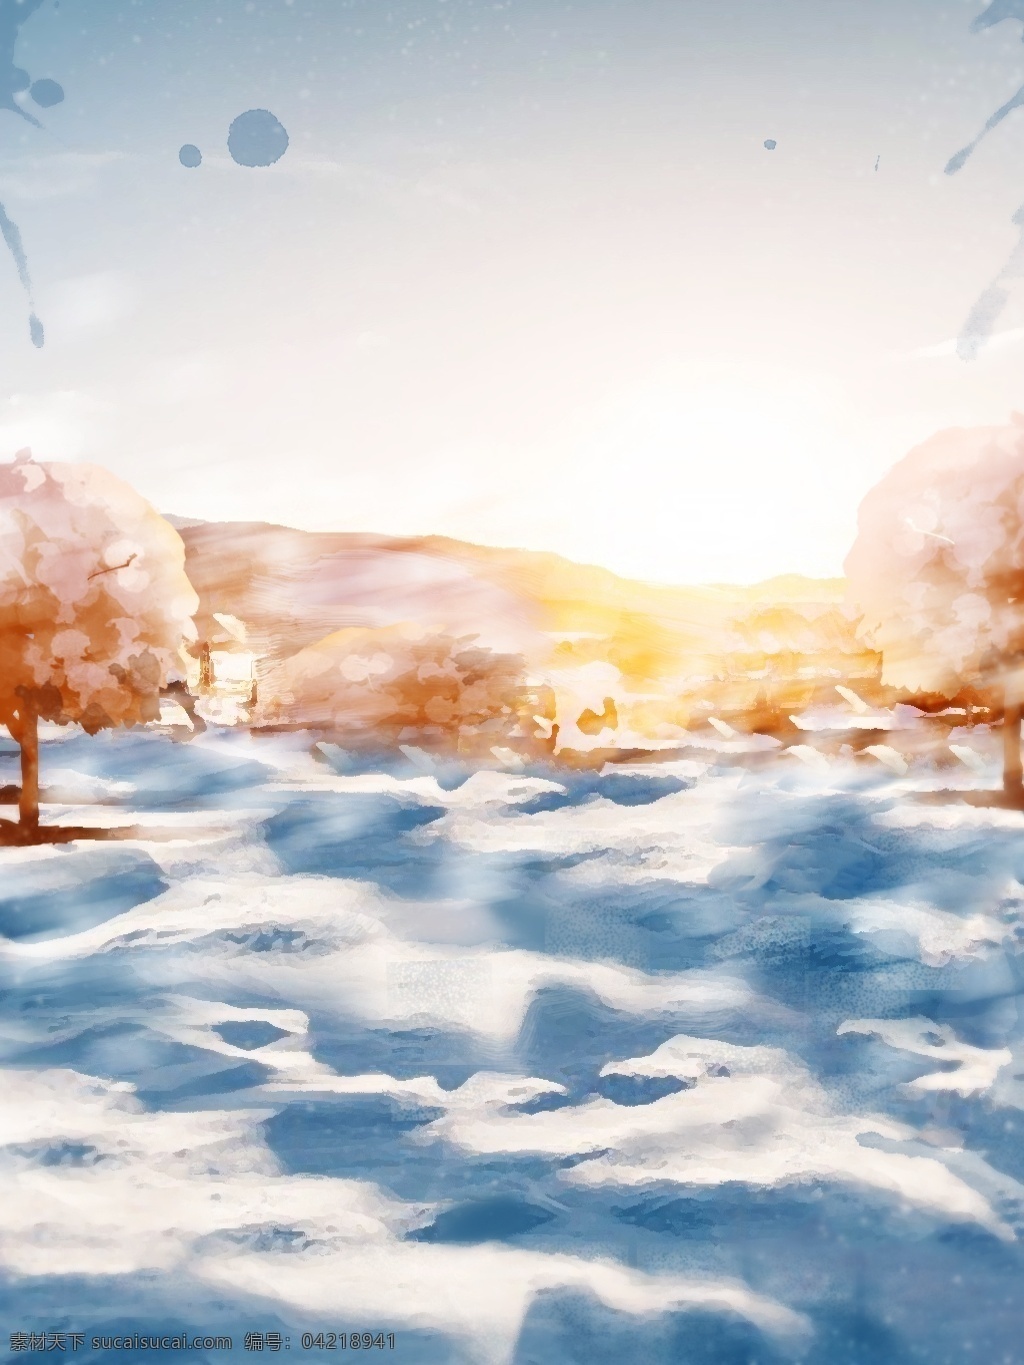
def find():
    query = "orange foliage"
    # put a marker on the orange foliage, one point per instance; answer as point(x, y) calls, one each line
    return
point(399, 685)
point(94, 601)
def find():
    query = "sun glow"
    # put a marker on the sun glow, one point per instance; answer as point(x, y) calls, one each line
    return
point(700, 475)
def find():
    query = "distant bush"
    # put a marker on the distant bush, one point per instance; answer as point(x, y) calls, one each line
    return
point(399, 685)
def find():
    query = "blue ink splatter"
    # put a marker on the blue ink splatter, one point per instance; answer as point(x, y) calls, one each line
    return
point(189, 155)
point(997, 11)
point(770, 143)
point(13, 80)
point(257, 138)
point(956, 161)
point(981, 320)
point(12, 236)
point(984, 315)
point(46, 93)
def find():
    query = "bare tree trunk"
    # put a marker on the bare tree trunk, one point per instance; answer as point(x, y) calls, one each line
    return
point(205, 667)
point(28, 739)
point(1013, 772)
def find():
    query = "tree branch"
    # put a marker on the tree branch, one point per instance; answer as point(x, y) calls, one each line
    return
point(114, 567)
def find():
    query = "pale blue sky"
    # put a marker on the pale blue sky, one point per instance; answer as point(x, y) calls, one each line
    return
point(526, 274)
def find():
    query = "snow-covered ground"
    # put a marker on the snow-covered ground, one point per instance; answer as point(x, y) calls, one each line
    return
point(677, 1063)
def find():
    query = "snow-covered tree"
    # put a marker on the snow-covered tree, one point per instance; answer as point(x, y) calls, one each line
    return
point(400, 685)
point(937, 570)
point(94, 606)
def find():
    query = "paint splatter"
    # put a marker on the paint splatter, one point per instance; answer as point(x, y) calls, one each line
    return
point(257, 138)
point(770, 143)
point(956, 161)
point(189, 155)
point(13, 80)
point(982, 319)
point(997, 11)
point(46, 93)
point(12, 236)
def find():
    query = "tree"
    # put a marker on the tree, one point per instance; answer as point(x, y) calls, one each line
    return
point(94, 606)
point(401, 685)
point(938, 571)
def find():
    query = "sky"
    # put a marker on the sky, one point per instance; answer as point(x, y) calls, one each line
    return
point(527, 273)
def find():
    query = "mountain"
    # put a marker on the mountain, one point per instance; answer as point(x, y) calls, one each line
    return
point(291, 588)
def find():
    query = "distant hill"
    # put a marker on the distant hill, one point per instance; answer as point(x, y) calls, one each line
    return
point(291, 588)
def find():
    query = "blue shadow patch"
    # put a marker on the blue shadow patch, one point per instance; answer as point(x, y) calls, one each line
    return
point(74, 890)
point(492, 1219)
